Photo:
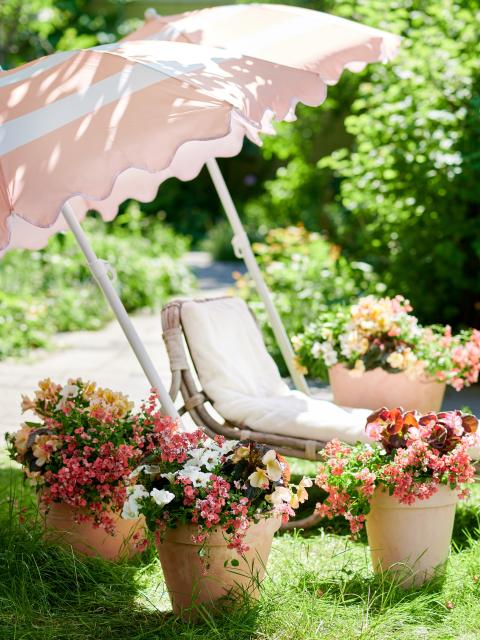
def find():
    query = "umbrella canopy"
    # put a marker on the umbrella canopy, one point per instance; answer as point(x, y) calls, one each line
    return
point(292, 36)
point(307, 41)
point(76, 125)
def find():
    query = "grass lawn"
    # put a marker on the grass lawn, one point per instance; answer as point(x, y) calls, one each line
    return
point(318, 586)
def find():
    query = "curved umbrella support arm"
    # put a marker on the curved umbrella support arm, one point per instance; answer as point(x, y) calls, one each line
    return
point(243, 249)
point(100, 273)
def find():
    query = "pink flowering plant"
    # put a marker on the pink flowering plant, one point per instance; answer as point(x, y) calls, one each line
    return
point(82, 446)
point(411, 456)
point(383, 333)
point(211, 484)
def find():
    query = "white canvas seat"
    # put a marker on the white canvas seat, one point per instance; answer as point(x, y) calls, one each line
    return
point(242, 382)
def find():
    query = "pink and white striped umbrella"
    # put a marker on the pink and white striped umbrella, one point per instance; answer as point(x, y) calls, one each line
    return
point(96, 126)
point(292, 36)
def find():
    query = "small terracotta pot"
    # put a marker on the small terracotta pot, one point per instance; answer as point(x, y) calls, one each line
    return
point(90, 540)
point(411, 542)
point(187, 583)
point(378, 388)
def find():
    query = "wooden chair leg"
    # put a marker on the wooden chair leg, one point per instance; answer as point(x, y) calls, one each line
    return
point(302, 523)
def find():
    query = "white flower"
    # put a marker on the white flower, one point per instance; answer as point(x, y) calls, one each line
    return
point(317, 349)
point(131, 506)
point(198, 477)
point(162, 497)
point(69, 391)
point(169, 476)
point(296, 343)
point(207, 458)
point(150, 470)
point(329, 354)
point(274, 470)
point(259, 479)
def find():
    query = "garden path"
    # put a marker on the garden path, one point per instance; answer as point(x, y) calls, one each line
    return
point(105, 356)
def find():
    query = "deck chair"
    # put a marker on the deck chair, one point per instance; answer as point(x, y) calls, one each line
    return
point(241, 383)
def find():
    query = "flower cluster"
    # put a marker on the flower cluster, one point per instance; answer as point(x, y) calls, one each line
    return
point(211, 483)
point(411, 456)
point(382, 332)
point(83, 448)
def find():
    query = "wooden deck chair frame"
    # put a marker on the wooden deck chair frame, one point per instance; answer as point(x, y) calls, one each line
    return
point(196, 400)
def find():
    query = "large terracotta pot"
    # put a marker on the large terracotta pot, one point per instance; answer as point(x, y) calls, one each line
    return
point(411, 542)
point(187, 583)
point(378, 388)
point(90, 540)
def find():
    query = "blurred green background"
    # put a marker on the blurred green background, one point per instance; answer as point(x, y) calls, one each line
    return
point(387, 169)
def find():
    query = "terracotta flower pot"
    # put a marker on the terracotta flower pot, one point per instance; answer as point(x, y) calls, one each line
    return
point(187, 583)
point(90, 540)
point(378, 388)
point(411, 542)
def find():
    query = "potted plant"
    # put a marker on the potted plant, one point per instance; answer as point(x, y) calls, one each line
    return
point(78, 453)
point(404, 486)
point(376, 353)
point(213, 507)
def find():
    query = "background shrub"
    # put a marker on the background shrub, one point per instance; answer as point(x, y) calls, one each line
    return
point(306, 275)
point(53, 290)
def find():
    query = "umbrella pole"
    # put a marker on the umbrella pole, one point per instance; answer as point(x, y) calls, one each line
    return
point(243, 249)
point(100, 274)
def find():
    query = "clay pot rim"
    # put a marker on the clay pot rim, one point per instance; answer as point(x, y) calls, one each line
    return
point(418, 380)
point(182, 534)
point(443, 497)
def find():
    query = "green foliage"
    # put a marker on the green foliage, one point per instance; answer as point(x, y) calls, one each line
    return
point(32, 28)
point(24, 324)
point(306, 275)
point(53, 290)
point(218, 241)
point(409, 181)
point(412, 183)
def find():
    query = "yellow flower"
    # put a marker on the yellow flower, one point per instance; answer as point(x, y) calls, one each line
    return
point(281, 494)
point(21, 439)
point(43, 447)
point(240, 453)
point(396, 360)
point(259, 479)
point(48, 391)
point(294, 501)
point(299, 366)
point(302, 493)
point(116, 404)
point(363, 346)
point(358, 370)
point(27, 404)
point(274, 470)
point(89, 389)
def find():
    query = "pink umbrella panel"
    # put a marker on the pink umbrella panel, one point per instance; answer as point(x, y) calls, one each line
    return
point(292, 36)
point(76, 125)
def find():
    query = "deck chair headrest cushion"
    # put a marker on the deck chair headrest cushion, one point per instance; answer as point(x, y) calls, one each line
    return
point(227, 349)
